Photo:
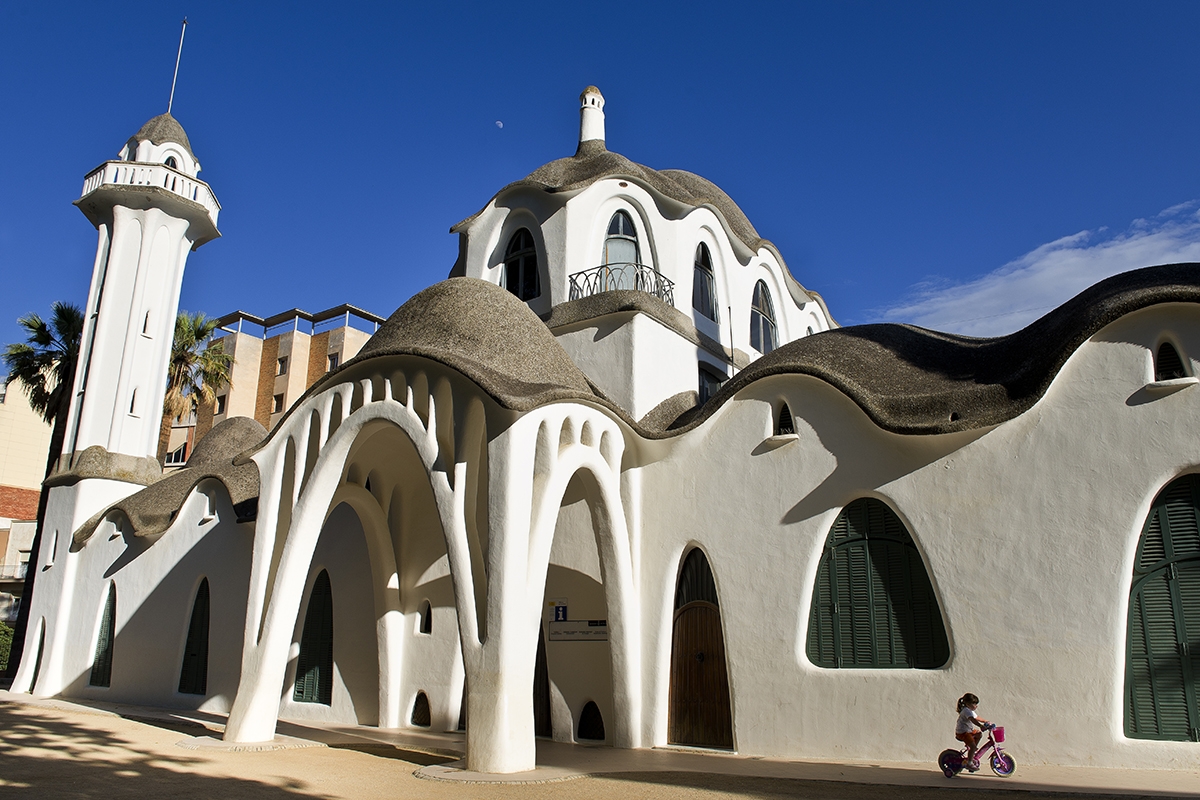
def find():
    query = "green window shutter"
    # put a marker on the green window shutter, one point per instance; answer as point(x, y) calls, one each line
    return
point(101, 674)
point(314, 668)
point(1163, 633)
point(193, 677)
point(873, 604)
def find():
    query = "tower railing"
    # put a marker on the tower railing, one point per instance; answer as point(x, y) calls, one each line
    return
point(132, 173)
point(610, 277)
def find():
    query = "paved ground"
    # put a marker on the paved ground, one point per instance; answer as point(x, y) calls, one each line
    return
point(51, 749)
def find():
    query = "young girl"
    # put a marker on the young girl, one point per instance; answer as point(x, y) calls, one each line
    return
point(963, 730)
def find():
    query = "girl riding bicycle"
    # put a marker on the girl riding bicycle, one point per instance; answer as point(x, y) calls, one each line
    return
point(963, 730)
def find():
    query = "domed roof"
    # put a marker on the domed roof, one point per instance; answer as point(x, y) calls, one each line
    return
point(161, 129)
point(486, 333)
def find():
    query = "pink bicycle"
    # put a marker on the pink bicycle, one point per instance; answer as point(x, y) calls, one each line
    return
point(953, 762)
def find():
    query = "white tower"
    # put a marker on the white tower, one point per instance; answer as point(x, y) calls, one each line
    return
point(150, 210)
point(591, 115)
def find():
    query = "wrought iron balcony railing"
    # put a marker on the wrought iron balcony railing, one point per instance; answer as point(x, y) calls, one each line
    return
point(610, 277)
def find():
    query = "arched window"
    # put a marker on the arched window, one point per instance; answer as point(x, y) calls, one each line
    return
point(420, 713)
point(762, 320)
point(193, 678)
point(426, 617)
point(101, 674)
point(1164, 620)
point(709, 384)
point(521, 266)
point(172, 163)
point(1168, 365)
point(621, 244)
point(784, 425)
point(704, 284)
point(591, 724)
point(873, 605)
point(314, 668)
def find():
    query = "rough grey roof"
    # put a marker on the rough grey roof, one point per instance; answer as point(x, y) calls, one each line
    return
point(164, 128)
point(96, 462)
point(152, 510)
point(915, 381)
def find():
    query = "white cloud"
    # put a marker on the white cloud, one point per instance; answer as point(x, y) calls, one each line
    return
point(1022, 290)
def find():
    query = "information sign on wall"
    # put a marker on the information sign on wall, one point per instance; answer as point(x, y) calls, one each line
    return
point(580, 630)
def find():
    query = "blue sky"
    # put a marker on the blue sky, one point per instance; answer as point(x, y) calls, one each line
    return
point(963, 166)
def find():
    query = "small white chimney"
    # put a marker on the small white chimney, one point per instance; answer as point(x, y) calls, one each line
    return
point(591, 115)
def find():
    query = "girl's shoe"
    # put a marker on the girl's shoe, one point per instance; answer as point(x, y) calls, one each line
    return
point(973, 765)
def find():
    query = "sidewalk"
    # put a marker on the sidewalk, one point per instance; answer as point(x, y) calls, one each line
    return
point(56, 748)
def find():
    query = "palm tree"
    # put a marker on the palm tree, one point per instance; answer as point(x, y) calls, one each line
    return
point(198, 368)
point(44, 366)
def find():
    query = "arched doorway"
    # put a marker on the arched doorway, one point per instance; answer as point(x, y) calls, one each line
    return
point(1161, 666)
point(699, 709)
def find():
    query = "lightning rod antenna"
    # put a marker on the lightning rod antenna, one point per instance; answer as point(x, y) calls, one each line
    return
point(177, 57)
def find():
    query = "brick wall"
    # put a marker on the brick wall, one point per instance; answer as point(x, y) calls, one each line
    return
point(18, 503)
point(318, 357)
point(264, 401)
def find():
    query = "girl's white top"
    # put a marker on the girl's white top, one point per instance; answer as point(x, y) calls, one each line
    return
point(964, 720)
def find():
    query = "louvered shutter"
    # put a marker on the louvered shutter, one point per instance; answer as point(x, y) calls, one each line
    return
point(1164, 620)
point(314, 667)
point(101, 674)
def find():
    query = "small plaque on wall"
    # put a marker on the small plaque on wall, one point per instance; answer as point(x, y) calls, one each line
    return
point(579, 630)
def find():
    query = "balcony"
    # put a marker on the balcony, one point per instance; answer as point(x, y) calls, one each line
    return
point(112, 177)
point(611, 277)
point(13, 572)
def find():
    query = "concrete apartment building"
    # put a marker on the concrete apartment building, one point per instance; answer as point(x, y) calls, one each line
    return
point(276, 359)
point(24, 442)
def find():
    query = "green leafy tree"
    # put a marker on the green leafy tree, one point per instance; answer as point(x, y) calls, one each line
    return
point(198, 369)
point(44, 366)
point(6, 636)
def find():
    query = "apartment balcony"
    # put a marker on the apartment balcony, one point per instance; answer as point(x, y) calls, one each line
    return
point(13, 572)
point(138, 185)
point(611, 277)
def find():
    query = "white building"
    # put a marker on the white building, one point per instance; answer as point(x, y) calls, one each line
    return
point(509, 505)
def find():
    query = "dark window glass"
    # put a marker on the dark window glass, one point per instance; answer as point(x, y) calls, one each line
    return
point(1168, 365)
point(521, 266)
point(785, 424)
point(762, 320)
point(704, 285)
point(709, 385)
point(873, 604)
point(420, 713)
point(426, 617)
point(621, 244)
point(193, 678)
point(314, 668)
point(591, 724)
point(101, 674)
point(1164, 620)
point(172, 163)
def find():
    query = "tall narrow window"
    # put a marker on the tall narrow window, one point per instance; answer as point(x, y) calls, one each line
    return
point(521, 266)
point(873, 604)
point(704, 284)
point(426, 617)
point(101, 674)
point(1161, 662)
point(620, 254)
point(133, 403)
point(220, 405)
point(709, 384)
point(420, 713)
point(193, 677)
point(334, 360)
point(314, 668)
point(281, 365)
point(785, 425)
point(1168, 365)
point(762, 320)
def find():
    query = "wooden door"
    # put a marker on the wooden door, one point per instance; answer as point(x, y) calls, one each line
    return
point(699, 704)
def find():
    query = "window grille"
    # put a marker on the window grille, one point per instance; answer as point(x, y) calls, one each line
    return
point(763, 337)
point(521, 266)
point(873, 604)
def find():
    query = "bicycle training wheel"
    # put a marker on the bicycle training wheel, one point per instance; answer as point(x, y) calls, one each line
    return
point(1003, 765)
point(951, 762)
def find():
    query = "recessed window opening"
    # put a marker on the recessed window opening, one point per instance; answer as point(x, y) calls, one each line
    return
point(1168, 365)
point(709, 384)
point(146, 324)
point(177, 456)
point(210, 505)
point(281, 366)
point(53, 550)
point(521, 266)
point(620, 255)
point(873, 605)
point(785, 425)
point(101, 674)
point(172, 163)
point(220, 405)
point(426, 617)
point(704, 284)
point(591, 723)
point(763, 337)
point(333, 362)
point(277, 404)
point(133, 403)
point(420, 713)
point(314, 667)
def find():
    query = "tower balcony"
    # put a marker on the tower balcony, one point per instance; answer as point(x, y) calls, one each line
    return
point(138, 185)
point(610, 277)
